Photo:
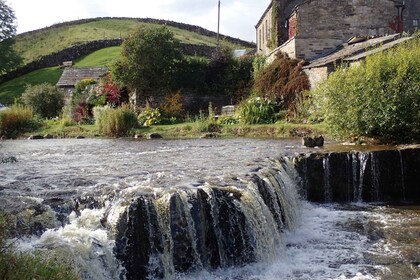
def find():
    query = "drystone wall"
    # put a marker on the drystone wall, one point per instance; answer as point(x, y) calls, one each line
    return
point(77, 51)
point(58, 58)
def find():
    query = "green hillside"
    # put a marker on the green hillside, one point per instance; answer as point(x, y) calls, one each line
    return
point(14, 88)
point(34, 44)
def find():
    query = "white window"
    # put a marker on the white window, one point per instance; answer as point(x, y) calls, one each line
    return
point(415, 22)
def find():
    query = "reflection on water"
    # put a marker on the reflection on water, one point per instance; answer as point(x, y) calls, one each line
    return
point(353, 241)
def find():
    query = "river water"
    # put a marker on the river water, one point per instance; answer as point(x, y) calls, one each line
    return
point(326, 241)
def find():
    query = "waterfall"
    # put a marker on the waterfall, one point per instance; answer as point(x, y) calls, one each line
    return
point(208, 227)
point(376, 174)
point(362, 162)
point(387, 176)
point(327, 188)
point(402, 173)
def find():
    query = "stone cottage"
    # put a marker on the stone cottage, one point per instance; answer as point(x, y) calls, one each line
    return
point(307, 29)
point(71, 76)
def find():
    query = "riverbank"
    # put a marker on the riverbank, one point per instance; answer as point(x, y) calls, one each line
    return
point(55, 129)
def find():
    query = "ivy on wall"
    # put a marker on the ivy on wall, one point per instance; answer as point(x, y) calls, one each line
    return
point(274, 40)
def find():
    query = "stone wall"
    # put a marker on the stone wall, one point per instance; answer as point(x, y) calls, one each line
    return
point(322, 25)
point(58, 58)
point(263, 29)
point(77, 51)
point(318, 74)
point(411, 13)
point(339, 20)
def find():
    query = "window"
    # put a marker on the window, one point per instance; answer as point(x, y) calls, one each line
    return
point(415, 22)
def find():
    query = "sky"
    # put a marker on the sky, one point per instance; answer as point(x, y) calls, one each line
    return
point(238, 17)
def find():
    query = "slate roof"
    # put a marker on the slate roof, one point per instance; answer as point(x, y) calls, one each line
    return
point(357, 48)
point(71, 76)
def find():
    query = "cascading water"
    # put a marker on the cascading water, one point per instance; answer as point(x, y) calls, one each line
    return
point(208, 227)
point(175, 210)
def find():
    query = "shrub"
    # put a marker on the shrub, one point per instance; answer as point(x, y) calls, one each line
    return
point(282, 81)
point(149, 116)
point(172, 105)
point(379, 98)
point(115, 122)
point(46, 100)
point(17, 120)
point(258, 110)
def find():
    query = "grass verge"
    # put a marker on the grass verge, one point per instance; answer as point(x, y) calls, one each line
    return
point(191, 130)
point(15, 265)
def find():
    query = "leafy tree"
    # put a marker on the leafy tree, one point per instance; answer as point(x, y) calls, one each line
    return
point(46, 100)
point(149, 60)
point(8, 57)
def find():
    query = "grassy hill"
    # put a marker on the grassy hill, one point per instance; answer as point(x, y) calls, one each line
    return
point(14, 88)
point(35, 44)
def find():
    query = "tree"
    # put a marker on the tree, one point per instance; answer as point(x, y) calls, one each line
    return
point(8, 57)
point(149, 60)
point(46, 100)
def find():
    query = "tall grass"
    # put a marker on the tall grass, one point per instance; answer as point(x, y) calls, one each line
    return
point(17, 266)
point(115, 122)
point(17, 120)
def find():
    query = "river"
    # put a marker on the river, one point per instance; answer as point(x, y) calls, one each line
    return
point(69, 197)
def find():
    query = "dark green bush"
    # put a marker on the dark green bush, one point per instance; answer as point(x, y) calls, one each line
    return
point(379, 98)
point(46, 100)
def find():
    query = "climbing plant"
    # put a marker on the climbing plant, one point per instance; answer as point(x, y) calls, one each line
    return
point(274, 41)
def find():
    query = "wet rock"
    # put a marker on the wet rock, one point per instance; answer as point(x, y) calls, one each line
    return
point(319, 141)
point(210, 135)
point(154, 136)
point(312, 142)
point(80, 137)
point(35, 137)
point(48, 136)
point(308, 142)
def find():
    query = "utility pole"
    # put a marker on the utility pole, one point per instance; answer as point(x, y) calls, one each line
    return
point(218, 26)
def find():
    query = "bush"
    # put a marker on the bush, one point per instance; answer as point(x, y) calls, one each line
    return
point(46, 100)
point(172, 105)
point(115, 122)
point(282, 81)
point(17, 120)
point(379, 98)
point(258, 110)
point(149, 116)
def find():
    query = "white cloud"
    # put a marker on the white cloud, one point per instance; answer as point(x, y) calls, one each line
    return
point(238, 17)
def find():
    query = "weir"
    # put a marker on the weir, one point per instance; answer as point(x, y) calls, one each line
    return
point(146, 231)
point(384, 176)
point(208, 227)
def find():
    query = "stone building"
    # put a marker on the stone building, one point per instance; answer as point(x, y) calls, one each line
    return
point(307, 29)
